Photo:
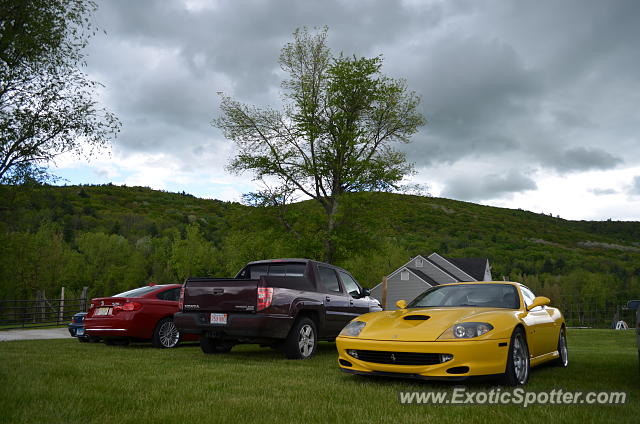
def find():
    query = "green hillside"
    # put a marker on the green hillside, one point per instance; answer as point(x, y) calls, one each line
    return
point(111, 238)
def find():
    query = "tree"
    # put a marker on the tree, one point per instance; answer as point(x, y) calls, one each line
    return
point(192, 255)
point(335, 133)
point(46, 101)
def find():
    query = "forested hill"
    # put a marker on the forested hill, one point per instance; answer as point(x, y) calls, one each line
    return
point(112, 238)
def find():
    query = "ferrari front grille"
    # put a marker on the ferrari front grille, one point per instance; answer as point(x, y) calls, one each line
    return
point(398, 358)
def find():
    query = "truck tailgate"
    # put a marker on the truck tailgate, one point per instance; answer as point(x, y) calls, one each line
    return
point(220, 295)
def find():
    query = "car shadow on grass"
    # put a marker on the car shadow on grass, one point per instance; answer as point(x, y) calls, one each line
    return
point(416, 383)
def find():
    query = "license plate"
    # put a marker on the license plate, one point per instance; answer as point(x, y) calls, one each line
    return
point(102, 311)
point(80, 332)
point(219, 319)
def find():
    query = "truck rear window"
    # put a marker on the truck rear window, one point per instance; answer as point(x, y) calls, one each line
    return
point(254, 272)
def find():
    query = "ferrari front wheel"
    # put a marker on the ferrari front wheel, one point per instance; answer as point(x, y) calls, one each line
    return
point(517, 369)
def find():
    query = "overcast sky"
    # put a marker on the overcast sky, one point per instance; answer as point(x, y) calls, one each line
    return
point(531, 105)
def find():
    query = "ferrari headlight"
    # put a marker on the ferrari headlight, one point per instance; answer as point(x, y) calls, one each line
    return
point(467, 330)
point(353, 329)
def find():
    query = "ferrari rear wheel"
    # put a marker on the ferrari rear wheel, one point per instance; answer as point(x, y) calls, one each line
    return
point(517, 370)
point(563, 351)
point(166, 334)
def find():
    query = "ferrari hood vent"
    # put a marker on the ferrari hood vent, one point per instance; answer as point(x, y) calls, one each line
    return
point(416, 317)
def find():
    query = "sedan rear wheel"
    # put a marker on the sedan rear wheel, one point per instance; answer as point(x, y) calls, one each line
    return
point(517, 370)
point(166, 334)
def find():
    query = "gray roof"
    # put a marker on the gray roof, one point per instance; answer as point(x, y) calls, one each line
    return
point(475, 267)
point(424, 276)
point(442, 269)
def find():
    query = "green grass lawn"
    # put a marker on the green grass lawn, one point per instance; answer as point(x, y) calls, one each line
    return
point(63, 381)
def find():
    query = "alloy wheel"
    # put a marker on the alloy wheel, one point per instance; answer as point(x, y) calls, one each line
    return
point(306, 340)
point(169, 334)
point(562, 348)
point(520, 360)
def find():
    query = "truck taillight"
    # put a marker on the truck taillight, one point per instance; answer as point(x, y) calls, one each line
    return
point(181, 299)
point(265, 295)
point(129, 306)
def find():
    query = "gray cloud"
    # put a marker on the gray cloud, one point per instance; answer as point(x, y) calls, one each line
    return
point(164, 63)
point(472, 187)
point(584, 159)
point(603, 191)
point(550, 99)
point(635, 186)
point(536, 85)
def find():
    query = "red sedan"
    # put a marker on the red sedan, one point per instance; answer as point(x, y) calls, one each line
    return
point(141, 314)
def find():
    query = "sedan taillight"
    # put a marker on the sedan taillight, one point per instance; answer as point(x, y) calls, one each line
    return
point(265, 296)
point(129, 306)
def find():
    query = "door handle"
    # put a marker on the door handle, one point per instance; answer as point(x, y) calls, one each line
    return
point(328, 299)
point(350, 302)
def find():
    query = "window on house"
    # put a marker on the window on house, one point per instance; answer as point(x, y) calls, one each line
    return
point(404, 275)
point(419, 263)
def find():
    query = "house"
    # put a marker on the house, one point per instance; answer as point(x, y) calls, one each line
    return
point(423, 272)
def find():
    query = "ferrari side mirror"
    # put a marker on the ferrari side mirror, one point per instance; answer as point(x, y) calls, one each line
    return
point(539, 301)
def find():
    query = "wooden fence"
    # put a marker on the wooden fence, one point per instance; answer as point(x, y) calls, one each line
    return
point(40, 312)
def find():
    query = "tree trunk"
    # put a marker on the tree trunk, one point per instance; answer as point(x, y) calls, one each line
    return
point(329, 246)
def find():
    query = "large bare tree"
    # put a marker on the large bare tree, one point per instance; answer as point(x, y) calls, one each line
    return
point(335, 134)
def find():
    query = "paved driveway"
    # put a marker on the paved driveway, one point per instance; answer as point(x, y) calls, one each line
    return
point(34, 334)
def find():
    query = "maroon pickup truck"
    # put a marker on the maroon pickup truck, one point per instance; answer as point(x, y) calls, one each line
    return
point(289, 304)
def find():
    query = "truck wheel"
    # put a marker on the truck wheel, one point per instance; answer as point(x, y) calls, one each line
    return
point(166, 334)
point(209, 345)
point(302, 340)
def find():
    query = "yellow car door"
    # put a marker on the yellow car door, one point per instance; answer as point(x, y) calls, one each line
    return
point(541, 326)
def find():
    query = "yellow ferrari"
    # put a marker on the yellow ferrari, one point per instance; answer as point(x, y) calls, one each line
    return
point(455, 331)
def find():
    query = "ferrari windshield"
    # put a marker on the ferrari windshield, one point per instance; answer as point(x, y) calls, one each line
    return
point(476, 295)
